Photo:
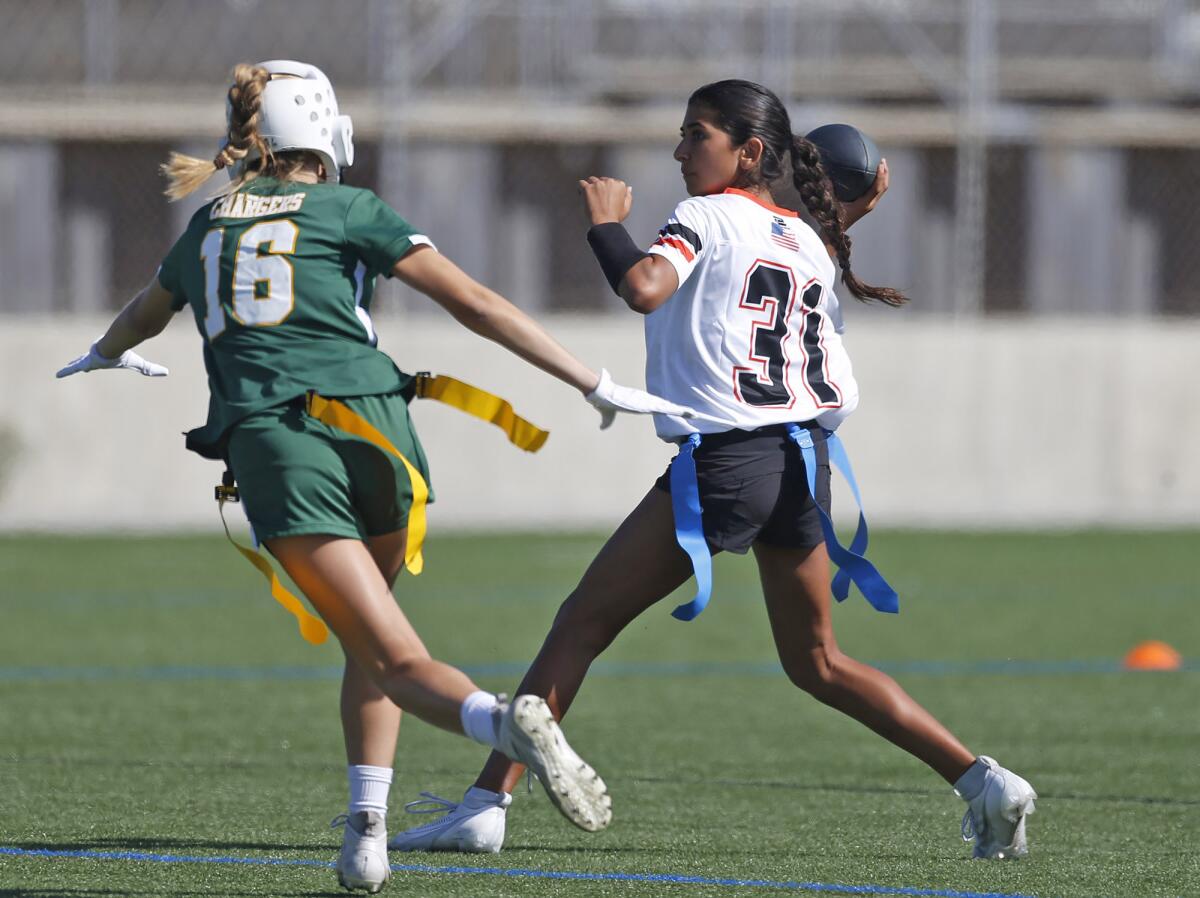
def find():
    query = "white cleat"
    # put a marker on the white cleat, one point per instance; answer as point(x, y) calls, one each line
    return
point(363, 863)
point(529, 734)
point(995, 818)
point(475, 825)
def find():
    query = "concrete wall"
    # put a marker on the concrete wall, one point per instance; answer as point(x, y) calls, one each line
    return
point(1012, 424)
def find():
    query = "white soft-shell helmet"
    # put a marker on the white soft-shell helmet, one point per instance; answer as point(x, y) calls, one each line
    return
point(300, 112)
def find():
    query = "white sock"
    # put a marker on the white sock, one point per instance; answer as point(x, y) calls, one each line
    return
point(475, 797)
point(971, 783)
point(369, 787)
point(479, 720)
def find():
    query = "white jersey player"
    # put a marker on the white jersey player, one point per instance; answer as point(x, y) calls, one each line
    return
point(743, 327)
point(752, 334)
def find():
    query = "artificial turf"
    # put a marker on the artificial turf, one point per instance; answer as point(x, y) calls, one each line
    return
point(156, 704)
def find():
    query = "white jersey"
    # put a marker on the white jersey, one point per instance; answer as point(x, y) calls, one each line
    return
point(752, 336)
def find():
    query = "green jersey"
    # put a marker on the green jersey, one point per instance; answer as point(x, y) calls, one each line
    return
point(279, 276)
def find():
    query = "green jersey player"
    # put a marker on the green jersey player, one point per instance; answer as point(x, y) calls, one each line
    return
point(312, 418)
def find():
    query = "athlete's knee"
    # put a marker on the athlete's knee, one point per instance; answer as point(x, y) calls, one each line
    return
point(584, 624)
point(398, 667)
point(816, 671)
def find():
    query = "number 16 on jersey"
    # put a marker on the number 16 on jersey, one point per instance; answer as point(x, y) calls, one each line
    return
point(263, 292)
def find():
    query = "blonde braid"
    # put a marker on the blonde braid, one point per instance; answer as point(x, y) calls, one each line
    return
point(185, 174)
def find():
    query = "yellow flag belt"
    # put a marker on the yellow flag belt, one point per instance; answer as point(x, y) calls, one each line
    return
point(484, 405)
point(448, 390)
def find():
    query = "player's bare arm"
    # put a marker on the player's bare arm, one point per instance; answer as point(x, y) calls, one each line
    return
point(144, 316)
point(652, 280)
point(649, 284)
point(490, 315)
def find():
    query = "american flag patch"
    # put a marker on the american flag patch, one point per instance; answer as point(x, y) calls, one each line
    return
point(781, 235)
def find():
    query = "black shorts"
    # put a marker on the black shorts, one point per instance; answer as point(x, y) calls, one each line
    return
point(753, 487)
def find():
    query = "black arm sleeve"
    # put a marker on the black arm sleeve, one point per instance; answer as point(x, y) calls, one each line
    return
point(615, 251)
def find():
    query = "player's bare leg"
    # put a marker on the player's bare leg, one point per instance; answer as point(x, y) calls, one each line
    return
point(371, 720)
point(345, 586)
point(796, 588)
point(639, 565)
point(370, 726)
point(349, 584)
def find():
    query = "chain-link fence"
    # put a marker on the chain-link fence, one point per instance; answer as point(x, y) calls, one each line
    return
point(1041, 153)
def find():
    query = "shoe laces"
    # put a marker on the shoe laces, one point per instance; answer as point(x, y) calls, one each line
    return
point(968, 826)
point(421, 805)
point(339, 820)
point(973, 829)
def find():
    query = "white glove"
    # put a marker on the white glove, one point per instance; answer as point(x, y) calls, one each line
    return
point(609, 398)
point(93, 361)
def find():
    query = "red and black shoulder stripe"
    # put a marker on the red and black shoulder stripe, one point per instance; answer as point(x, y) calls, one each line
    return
point(680, 237)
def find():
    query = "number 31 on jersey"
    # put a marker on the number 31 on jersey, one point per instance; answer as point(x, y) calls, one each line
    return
point(770, 289)
point(263, 293)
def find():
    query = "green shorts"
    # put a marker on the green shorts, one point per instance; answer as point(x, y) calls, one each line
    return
point(297, 475)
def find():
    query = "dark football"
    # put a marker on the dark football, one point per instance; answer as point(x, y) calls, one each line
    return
point(851, 159)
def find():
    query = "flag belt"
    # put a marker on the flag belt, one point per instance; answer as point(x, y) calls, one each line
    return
point(451, 391)
point(853, 566)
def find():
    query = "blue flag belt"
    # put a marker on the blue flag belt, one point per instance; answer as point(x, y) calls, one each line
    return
point(852, 563)
point(853, 567)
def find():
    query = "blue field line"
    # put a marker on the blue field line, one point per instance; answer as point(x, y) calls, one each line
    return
point(672, 878)
point(1005, 667)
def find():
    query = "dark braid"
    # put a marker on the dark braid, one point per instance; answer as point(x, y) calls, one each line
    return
point(743, 110)
point(816, 192)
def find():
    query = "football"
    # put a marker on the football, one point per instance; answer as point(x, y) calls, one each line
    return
point(850, 157)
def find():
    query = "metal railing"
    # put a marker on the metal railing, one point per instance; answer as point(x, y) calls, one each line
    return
point(1041, 152)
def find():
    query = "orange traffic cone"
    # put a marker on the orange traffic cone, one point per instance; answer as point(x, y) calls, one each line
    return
point(1153, 655)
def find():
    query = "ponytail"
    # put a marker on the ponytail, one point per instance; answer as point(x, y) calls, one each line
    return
point(185, 174)
point(816, 192)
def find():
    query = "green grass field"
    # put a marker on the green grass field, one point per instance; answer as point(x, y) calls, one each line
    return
point(158, 712)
